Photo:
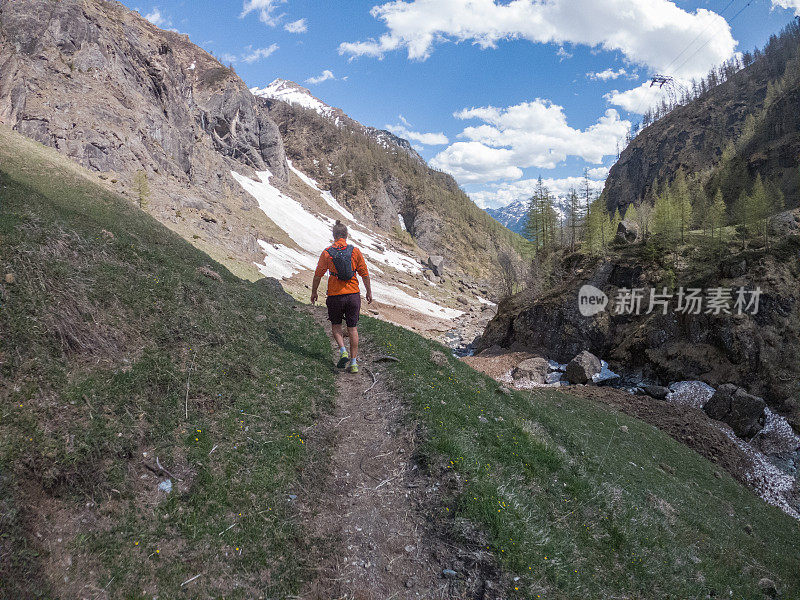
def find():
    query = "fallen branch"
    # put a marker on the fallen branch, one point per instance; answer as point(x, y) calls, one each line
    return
point(191, 579)
point(374, 380)
point(387, 358)
point(188, 376)
point(159, 469)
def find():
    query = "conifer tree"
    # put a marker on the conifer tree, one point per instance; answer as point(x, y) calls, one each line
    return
point(742, 212)
point(142, 189)
point(573, 218)
point(682, 203)
point(665, 222)
point(716, 215)
point(631, 213)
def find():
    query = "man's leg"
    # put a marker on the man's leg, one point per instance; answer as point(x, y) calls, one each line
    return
point(336, 330)
point(353, 342)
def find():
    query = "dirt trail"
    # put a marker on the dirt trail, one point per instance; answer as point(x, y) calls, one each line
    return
point(371, 505)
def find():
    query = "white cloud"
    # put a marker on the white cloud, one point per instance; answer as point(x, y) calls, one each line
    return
point(497, 195)
point(404, 131)
point(638, 99)
point(530, 134)
point(258, 53)
point(646, 32)
point(265, 9)
point(324, 76)
point(157, 19)
point(249, 56)
point(608, 74)
point(598, 173)
point(298, 26)
point(788, 4)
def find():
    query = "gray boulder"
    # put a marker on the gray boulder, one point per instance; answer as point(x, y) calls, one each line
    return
point(533, 370)
point(583, 367)
point(742, 411)
point(436, 263)
point(627, 232)
point(659, 392)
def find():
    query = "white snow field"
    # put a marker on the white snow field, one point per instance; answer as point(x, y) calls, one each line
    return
point(312, 233)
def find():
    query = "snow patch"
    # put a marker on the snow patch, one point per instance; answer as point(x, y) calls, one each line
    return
point(282, 262)
point(402, 222)
point(312, 233)
point(691, 393)
point(326, 195)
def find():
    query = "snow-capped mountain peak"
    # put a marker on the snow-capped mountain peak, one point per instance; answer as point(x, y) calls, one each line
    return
point(289, 91)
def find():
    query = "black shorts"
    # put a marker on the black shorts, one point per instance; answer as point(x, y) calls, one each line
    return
point(344, 305)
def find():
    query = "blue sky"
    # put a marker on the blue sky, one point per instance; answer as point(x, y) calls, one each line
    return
point(505, 91)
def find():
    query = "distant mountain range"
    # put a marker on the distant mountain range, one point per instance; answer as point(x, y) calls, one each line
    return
point(512, 216)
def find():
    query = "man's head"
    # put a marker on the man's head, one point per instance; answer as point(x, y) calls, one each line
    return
point(339, 230)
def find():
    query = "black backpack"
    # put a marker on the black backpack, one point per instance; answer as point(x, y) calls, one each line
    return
point(343, 261)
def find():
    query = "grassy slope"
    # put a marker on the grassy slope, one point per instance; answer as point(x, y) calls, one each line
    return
point(98, 336)
point(576, 506)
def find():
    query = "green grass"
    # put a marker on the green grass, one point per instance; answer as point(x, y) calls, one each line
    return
point(578, 508)
point(98, 337)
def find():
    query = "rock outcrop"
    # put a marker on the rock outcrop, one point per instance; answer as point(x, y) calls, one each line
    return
point(123, 98)
point(734, 406)
point(627, 232)
point(748, 350)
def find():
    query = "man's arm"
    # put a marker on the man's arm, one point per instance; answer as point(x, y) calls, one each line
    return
point(322, 268)
point(368, 288)
point(315, 287)
point(361, 269)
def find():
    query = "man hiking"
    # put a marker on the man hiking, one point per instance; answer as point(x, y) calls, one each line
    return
point(343, 261)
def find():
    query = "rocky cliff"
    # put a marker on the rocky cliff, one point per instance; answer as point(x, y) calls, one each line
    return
point(748, 125)
point(755, 351)
point(120, 96)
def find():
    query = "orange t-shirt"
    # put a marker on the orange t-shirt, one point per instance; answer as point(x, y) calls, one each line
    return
point(337, 287)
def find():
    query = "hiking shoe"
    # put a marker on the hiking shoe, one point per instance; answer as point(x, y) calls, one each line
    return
point(352, 367)
point(344, 357)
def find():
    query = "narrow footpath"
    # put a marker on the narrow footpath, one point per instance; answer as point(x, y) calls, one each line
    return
point(371, 504)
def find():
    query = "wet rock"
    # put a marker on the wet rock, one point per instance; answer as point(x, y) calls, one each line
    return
point(581, 368)
point(627, 232)
point(659, 392)
point(553, 377)
point(449, 574)
point(606, 376)
point(742, 411)
point(533, 370)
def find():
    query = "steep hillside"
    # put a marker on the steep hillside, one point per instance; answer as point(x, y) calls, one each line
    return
point(131, 362)
point(694, 137)
point(384, 182)
point(130, 359)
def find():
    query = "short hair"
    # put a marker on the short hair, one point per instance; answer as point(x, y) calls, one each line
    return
point(339, 230)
